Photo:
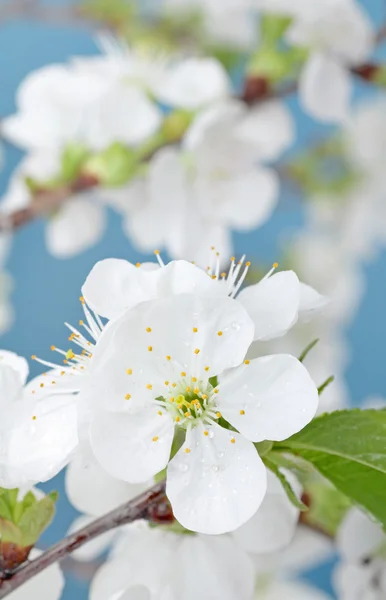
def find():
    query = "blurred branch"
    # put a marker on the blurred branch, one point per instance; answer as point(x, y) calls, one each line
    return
point(33, 9)
point(152, 505)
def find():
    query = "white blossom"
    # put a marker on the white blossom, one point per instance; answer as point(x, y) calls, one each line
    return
point(218, 181)
point(361, 575)
point(38, 432)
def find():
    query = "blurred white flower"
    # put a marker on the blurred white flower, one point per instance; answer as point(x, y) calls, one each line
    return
point(193, 197)
point(230, 22)
point(38, 433)
point(339, 35)
point(361, 575)
point(185, 382)
point(47, 584)
point(59, 104)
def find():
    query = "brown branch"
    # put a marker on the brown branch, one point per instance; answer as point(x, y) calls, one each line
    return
point(151, 505)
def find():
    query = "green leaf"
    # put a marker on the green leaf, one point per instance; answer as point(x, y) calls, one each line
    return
point(73, 159)
point(349, 449)
point(35, 520)
point(325, 384)
point(114, 166)
point(9, 532)
point(292, 497)
point(273, 28)
point(263, 448)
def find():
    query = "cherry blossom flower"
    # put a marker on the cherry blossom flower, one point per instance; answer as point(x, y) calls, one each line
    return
point(38, 433)
point(186, 383)
point(340, 36)
point(218, 181)
point(59, 104)
point(362, 573)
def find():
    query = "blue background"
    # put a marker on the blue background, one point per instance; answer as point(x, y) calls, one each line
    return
point(47, 290)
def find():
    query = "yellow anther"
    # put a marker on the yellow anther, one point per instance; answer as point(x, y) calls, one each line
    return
point(187, 450)
point(171, 399)
point(233, 441)
point(214, 276)
point(215, 391)
point(128, 396)
point(194, 379)
point(174, 384)
point(242, 412)
point(197, 351)
point(63, 372)
point(248, 264)
point(177, 419)
point(65, 361)
point(223, 275)
point(81, 322)
point(188, 389)
point(195, 329)
point(168, 358)
point(138, 264)
point(187, 414)
point(33, 357)
point(53, 382)
point(53, 348)
point(155, 438)
point(196, 390)
point(183, 374)
point(70, 355)
point(33, 391)
point(212, 248)
point(148, 329)
point(207, 368)
point(82, 299)
point(218, 415)
point(206, 432)
point(129, 371)
point(150, 348)
point(166, 382)
point(246, 362)
point(156, 252)
point(160, 413)
point(233, 259)
point(219, 333)
point(149, 386)
point(204, 396)
point(34, 418)
point(275, 265)
point(42, 385)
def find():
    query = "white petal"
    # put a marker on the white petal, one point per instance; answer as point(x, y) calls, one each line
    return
point(310, 302)
point(96, 547)
point(247, 201)
point(276, 393)
point(135, 447)
point(91, 489)
point(125, 114)
point(41, 447)
point(112, 286)
point(48, 584)
point(218, 485)
point(273, 526)
point(272, 304)
point(325, 89)
point(10, 385)
point(182, 277)
point(358, 536)
point(77, 226)
point(307, 550)
point(269, 128)
point(226, 572)
point(18, 363)
point(194, 83)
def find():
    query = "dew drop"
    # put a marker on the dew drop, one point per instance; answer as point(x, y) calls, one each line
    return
point(235, 326)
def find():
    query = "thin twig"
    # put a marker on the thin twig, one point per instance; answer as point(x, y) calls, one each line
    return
point(141, 507)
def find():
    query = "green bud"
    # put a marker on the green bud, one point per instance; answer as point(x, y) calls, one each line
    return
point(73, 158)
point(273, 28)
point(21, 524)
point(175, 125)
point(114, 166)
